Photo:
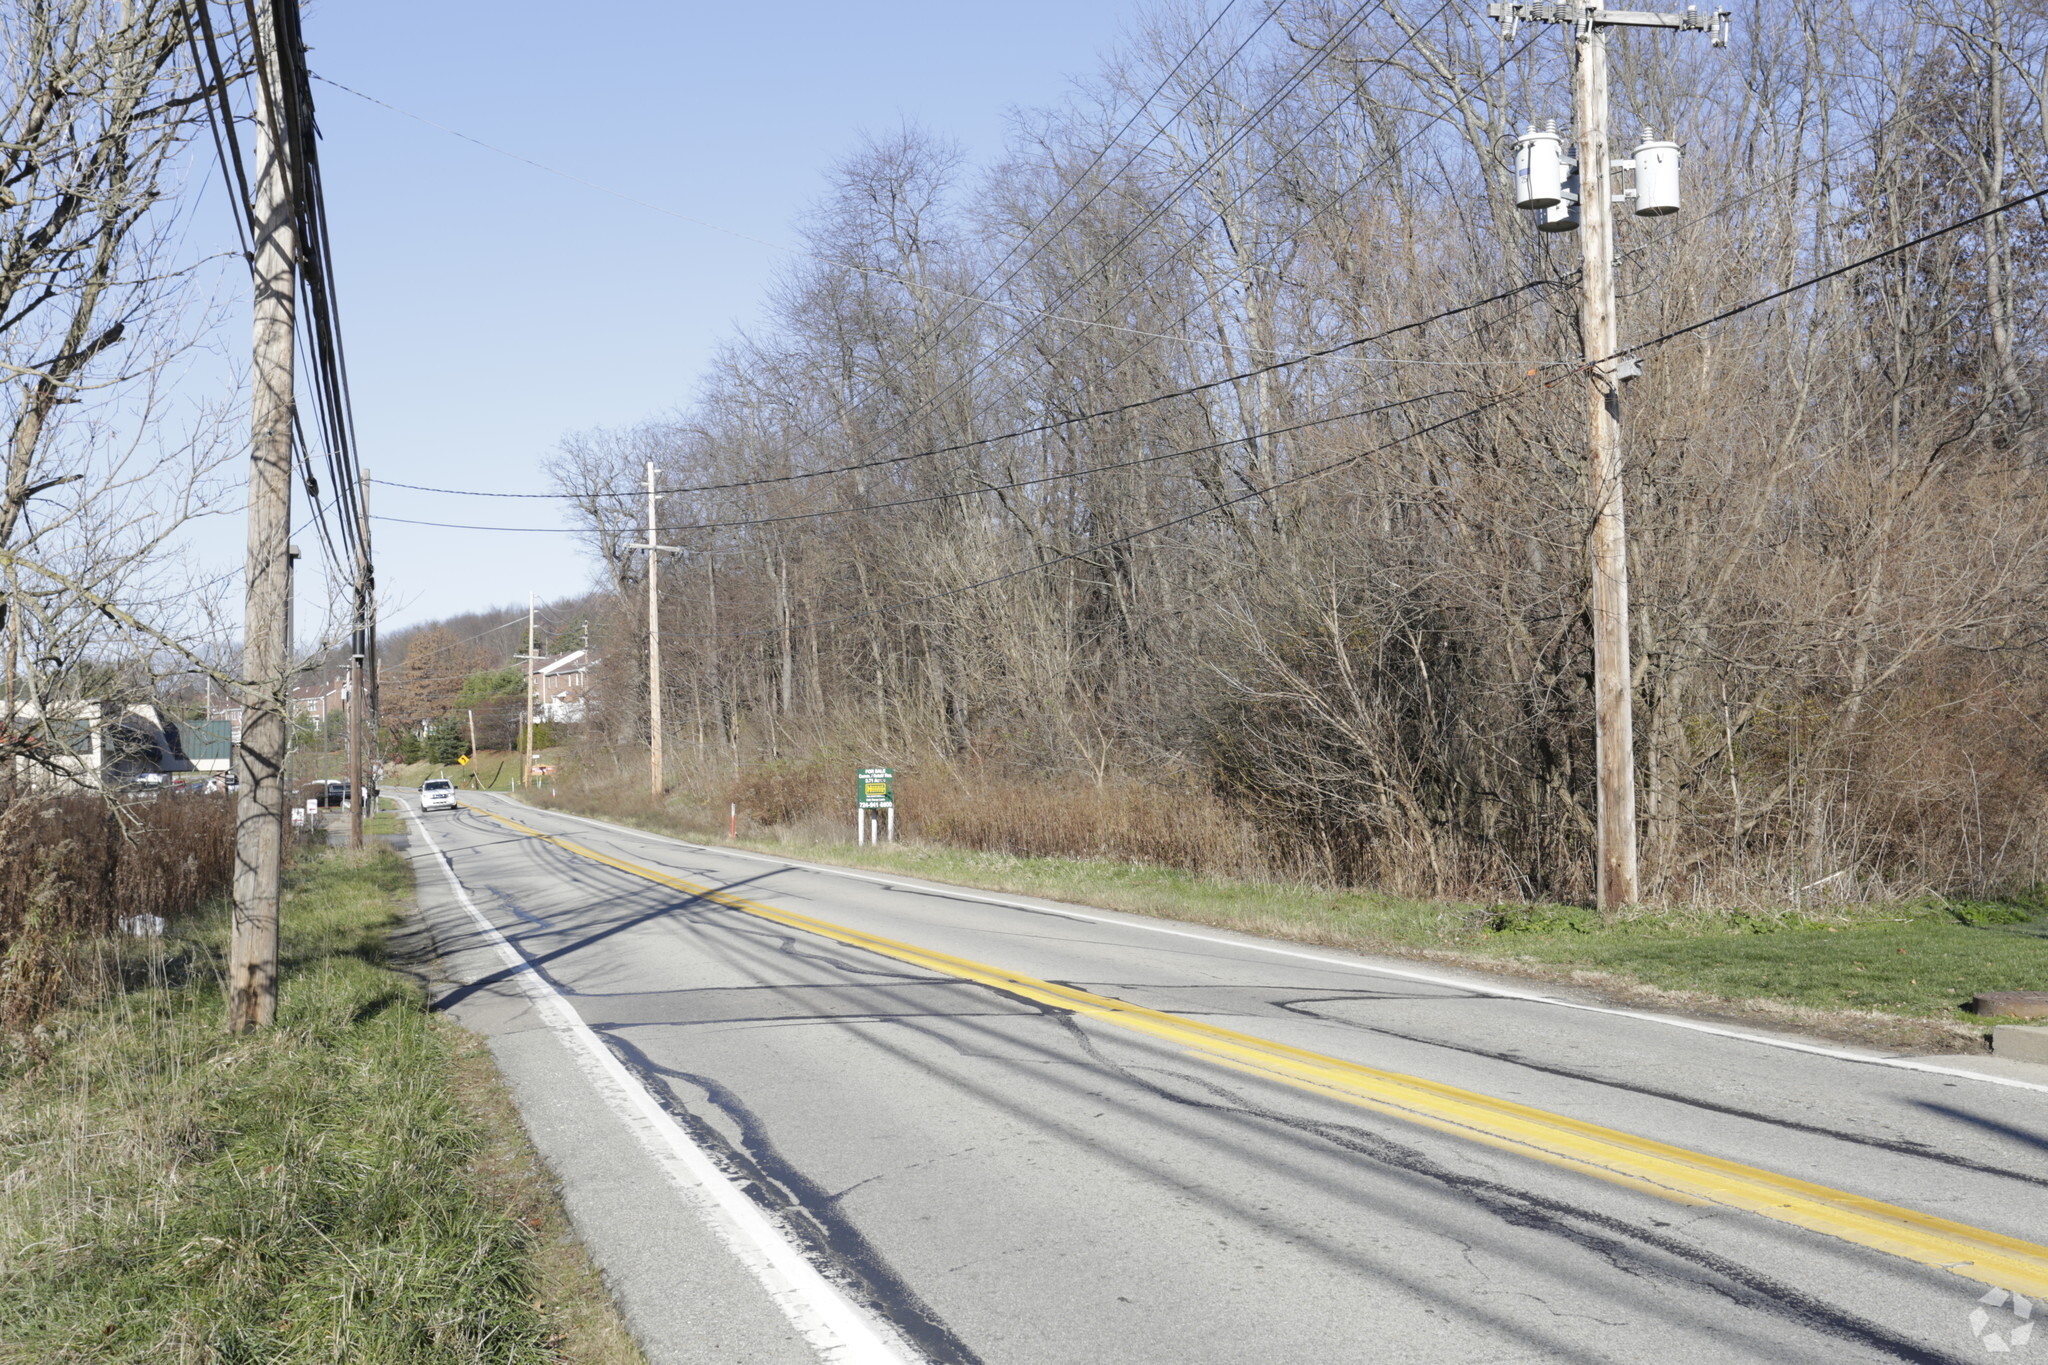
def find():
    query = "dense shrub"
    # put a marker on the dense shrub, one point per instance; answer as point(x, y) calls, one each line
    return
point(72, 866)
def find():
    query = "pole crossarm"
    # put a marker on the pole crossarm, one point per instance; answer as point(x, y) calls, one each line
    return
point(1512, 14)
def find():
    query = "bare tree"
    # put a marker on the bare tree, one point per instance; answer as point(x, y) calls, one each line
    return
point(103, 471)
point(1207, 443)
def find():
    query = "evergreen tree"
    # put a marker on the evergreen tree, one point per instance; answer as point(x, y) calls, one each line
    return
point(444, 742)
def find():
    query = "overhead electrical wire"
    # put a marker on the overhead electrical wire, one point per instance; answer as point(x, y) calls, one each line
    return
point(1073, 185)
point(1322, 52)
point(1187, 181)
point(286, 109)
point(1333, 349)
point(730, 232)
point(290, 135)
point(1076, 181)
point(1042, 427)
point(977, 294)
point(729, 525)
point(1519, 391)
point(1115, 410)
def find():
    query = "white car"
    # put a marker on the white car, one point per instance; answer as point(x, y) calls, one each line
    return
point(437, 793)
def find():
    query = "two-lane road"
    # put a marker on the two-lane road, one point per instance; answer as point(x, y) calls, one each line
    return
point(802, 1114)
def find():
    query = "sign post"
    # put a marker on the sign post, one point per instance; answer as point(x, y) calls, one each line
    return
point(874, 789)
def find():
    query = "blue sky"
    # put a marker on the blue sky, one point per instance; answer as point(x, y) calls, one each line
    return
point(490, 309)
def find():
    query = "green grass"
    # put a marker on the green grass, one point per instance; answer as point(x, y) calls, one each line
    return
point(490, 770)
point(1920, 961)
point(385, 819)
point(309, 1193)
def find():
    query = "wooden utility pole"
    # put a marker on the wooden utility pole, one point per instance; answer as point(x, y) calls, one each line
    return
point(371, 727)
point(355, 735)
point(653, 644)
point(1607, 538)
point(266, 644)
point(359, 660)
point(653, 548)
point(1538, 167)
point(10, 728)
point(526, 774)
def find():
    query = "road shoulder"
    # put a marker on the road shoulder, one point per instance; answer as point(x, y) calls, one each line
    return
point(685, 1298)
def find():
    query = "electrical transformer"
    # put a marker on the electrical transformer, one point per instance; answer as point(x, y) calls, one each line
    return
point(1539, 167)
point(1656, 176)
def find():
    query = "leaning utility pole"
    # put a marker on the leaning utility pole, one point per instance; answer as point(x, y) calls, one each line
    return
point(266, 643)
point(653, 548)
point(1585, 201)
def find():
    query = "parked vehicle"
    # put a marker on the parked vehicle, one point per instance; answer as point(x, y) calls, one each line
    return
point(331, 793)
point(437, 793)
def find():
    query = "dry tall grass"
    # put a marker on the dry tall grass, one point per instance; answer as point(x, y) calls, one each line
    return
point(71, 867)
point(967, 806)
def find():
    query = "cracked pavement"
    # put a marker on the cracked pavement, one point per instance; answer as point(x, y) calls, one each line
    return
point(999, 1180)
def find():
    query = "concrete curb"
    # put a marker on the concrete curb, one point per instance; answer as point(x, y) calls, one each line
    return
point(2020, 1043)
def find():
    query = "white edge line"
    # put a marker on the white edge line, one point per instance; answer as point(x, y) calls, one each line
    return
point(1134, 921)
point(827, 1320)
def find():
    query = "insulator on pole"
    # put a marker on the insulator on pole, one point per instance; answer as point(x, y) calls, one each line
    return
point(1539, 168)
point(1656, 176)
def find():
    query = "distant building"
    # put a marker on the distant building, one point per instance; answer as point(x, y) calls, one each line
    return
point(562, 686)
point(209, 745)
point(316, 701)
point(97, 744)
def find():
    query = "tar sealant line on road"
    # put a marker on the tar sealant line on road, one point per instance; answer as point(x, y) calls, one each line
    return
point(1646, 1164)
point(824, 1317)
point(1478, 988)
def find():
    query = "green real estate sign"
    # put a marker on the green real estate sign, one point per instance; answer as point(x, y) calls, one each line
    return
point(877, 788)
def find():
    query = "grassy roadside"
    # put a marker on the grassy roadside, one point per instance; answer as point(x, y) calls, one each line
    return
point(494, 770)
point(1895, 974)
point(385, 819)
point(350, 1185)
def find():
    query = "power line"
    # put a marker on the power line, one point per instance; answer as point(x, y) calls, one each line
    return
point(1519, 391)
point(1041, 428)
point(1075, 182)
point(958, 493)
point(1187, 181)
point(1827, 275)
point(735, 232)
point(1349, 25)
point(288, 114)
point(1166, 201)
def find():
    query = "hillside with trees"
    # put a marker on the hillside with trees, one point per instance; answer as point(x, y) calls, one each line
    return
point(1223, 461)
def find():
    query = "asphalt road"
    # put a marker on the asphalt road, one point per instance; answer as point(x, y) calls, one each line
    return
point(863, 1119)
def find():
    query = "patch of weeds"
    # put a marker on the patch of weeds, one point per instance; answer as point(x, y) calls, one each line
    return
point(1538, 919)
point(1988, 914)
point(308, 1193)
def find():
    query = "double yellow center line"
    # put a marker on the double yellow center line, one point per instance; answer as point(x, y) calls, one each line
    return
point(1670, 1172)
